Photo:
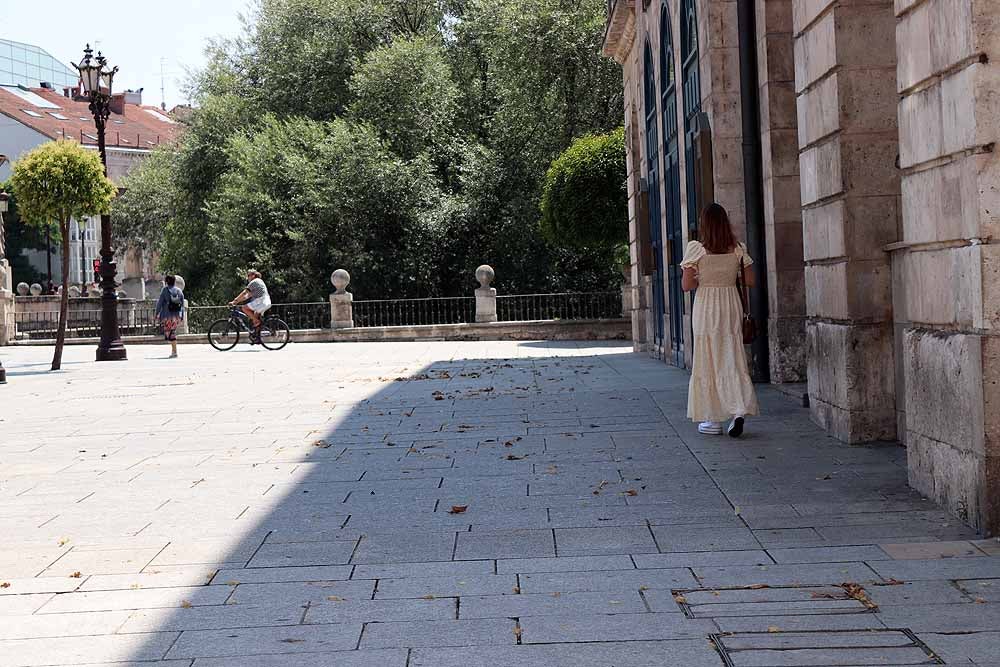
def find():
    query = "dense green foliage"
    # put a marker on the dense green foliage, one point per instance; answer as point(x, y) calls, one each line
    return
point(585, 202)
point(404, 140)
point(61, 180)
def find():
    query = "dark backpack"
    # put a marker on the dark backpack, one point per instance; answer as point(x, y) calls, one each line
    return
point(176, 301)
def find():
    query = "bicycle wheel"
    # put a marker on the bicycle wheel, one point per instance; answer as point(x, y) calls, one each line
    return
point(224, 335)
point(274, 334)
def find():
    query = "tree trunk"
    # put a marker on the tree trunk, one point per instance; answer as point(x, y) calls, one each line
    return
point(64, 300)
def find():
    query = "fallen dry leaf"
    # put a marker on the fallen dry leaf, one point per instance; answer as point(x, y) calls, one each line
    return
point(512, 457)
point(517, 632)
point(757, 587)
point(631, 492)
point(322, 443)
point(232, 582)
point(427, 597)
point(64, 541)
point(458, 509)
point(517, 590)
point(76, 575)
point(5, 584)
point(680, 599)
point(773, 628)
point(334, 598)
point(185, 604)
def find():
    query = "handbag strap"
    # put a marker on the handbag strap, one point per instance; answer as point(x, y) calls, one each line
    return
point(741, 285)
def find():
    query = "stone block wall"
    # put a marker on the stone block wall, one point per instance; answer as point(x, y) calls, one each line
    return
point(782, 201)
point(845, 64)
point(947, 268)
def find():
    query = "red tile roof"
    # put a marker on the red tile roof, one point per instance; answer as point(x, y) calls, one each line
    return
point(142, 127)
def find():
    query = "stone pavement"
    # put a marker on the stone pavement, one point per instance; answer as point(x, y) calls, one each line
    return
point(456, 504)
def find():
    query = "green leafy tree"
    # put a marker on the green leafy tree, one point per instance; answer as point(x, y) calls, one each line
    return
point(585, 202)
point(61, 180)
point(465, 102)
point(406, 92)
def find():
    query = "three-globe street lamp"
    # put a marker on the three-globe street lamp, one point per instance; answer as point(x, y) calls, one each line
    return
point(97, 79)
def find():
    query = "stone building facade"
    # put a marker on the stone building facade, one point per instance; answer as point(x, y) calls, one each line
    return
point(875, 210)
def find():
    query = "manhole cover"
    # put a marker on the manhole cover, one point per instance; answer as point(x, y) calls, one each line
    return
point(773, 601)
point(831, 648)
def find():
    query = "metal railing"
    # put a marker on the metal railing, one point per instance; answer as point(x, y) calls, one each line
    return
point(414, 312)
point(139, 318)
point(133, 320)
point(564, 306)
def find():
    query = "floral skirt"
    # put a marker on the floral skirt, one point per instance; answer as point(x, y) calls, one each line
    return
point(170, 325)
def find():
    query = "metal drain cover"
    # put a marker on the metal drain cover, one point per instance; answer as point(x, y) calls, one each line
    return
point(866, 648)
point(771, 601)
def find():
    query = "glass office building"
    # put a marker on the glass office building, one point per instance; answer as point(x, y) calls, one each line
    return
point(27, 65)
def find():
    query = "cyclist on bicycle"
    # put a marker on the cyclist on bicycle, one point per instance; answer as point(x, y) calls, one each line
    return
point(254, 299)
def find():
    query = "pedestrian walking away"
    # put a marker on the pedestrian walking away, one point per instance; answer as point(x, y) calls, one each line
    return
point(720, 388)
point(170, 311)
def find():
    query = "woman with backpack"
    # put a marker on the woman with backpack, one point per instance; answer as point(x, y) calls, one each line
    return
point(170, 311)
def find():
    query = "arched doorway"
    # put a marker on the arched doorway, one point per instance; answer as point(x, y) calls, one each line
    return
point(653, 183)
point(692, 107)
point(672, 185)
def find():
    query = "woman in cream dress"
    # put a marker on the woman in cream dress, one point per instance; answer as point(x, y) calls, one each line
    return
point(720, 389)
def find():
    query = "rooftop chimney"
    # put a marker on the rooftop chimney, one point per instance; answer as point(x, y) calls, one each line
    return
point(47, 86)
point(118, 104)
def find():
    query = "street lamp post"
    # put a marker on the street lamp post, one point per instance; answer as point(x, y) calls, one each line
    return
point(97, 80)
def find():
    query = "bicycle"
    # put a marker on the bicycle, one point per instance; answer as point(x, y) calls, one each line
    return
point(225, 333)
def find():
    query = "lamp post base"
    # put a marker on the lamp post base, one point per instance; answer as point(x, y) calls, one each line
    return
point(3, 374)
point(113, 353)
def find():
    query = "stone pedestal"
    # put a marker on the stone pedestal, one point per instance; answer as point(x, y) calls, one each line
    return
point(845, 65)
point(341, 301)
point(486, 296)
point(486, 304)
point(342, 311)
point(6, 317)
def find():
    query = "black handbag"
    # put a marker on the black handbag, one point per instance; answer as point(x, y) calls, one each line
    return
point(749, 324)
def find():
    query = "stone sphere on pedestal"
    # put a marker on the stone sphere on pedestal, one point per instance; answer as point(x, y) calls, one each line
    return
point(74, 291)
point(485, 275)
point(179, 282)
point(36, 290)
point(340, 279)
point(93, 291)
point(23, 289)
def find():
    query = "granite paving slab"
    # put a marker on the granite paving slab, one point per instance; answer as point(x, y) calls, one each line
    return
point(549, 510)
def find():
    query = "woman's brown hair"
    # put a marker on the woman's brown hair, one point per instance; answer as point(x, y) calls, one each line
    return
point(715, 232)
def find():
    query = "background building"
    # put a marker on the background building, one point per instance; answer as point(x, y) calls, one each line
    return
point(867, 188)
point(32, 116)
point(31, 66)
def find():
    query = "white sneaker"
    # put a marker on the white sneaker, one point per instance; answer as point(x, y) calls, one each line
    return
point(172, 356)
point(736, 427)
point(710, 428)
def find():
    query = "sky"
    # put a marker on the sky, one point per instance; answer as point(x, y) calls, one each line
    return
point(133, 34)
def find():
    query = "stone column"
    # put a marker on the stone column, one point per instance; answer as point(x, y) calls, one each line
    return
point(948, 264)
point(341, 301)
point(782, 204)
point(486, 296)
point(6, 317)
point(845, 65)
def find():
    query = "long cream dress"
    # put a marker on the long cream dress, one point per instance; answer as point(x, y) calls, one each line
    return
point(720, 385)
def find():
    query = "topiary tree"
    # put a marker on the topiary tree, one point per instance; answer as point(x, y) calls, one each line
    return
point(60, 181)
point(585, 201)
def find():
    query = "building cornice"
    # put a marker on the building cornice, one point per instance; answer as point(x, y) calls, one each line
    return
point(619, 34)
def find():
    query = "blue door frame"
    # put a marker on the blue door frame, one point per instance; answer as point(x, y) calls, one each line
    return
point(653, 183)
point(672, 187)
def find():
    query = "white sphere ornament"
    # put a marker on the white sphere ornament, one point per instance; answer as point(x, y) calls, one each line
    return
point(179, 282)
point(74, 291)
point(485, 275)
point(340, 279)
point(23, 289)
point(36, 290)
